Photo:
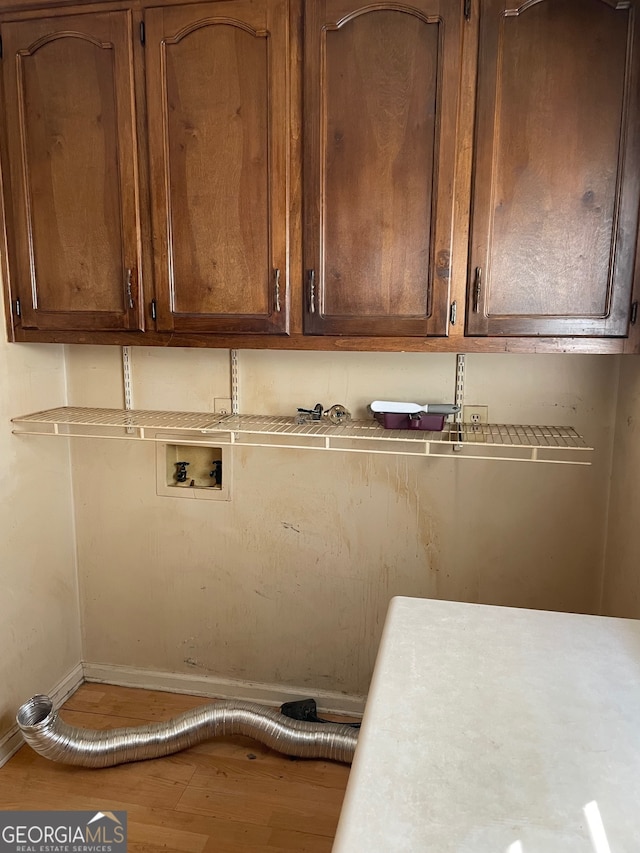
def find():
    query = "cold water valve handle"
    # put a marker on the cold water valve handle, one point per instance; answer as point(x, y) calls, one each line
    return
point(181, 472)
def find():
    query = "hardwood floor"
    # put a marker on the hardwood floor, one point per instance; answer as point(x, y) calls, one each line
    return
point(224, 796)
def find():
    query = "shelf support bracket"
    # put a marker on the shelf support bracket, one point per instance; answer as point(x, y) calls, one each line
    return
point(459, 399)
point(126, 382)
point(235, 381)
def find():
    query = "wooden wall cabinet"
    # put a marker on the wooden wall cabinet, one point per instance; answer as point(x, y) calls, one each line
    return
point(381, 102)
point(317, 174)
point(216, 101)
point(73, 212)
point(557, 168)
point(218, 119)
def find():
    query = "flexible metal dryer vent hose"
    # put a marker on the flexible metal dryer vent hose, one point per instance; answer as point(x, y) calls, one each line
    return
point(51, 737)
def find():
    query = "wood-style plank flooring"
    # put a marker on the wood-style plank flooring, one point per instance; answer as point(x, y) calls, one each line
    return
point(224, 796)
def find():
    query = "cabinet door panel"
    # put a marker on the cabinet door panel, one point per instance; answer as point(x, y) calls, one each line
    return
point(217, 82)
point(382, 88)
point(72, 149)
point(556, 187)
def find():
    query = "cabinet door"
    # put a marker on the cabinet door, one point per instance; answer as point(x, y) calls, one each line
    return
point(71, 141)
point(218, 136)
point(381, 97)
point(556, 178)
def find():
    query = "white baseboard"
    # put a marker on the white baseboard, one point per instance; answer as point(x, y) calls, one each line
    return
point(59, 693)
point(221, 688)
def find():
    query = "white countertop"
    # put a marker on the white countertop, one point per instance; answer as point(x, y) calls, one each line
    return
point(491, 729)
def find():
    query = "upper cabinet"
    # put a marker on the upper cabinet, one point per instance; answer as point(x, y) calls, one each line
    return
point(557, 168)
point(380, 111)
point(218, 117)
point(72, 182)
point(461, 175)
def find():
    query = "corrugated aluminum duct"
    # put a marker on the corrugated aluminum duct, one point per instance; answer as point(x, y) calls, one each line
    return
point(51, 737)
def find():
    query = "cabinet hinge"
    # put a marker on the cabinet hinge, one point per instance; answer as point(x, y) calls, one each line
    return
point(453, 313)
point(18, 308)
point(467, 9)
point(153, 309)
point(0, 47)
point(634, 312)
point(142, 33)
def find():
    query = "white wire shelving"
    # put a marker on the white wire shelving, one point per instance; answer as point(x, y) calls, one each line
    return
point(512, 442)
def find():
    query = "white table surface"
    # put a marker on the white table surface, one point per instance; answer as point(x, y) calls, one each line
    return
point(490, 729)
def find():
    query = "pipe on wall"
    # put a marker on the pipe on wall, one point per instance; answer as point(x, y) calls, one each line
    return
point(51, 737)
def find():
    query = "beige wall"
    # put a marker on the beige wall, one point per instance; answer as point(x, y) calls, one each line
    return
point(289, 582)
point(39, 614)
point(621, 592)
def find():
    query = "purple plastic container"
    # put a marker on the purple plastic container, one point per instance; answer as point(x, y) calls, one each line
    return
point(422, 421)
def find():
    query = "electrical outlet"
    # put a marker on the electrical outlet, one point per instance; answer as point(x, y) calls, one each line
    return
point(222, 405)
point(475, 415)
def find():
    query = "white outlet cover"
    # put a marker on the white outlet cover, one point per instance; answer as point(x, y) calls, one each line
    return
point(475, 414)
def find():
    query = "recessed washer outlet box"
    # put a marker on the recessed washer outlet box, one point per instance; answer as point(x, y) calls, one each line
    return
point(207, 469)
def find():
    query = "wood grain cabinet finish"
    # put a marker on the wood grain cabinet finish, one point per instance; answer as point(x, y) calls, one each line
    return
point(557, 168)
point(74, 226)
point(381, 99)
point(218, 142)
point(318, 156)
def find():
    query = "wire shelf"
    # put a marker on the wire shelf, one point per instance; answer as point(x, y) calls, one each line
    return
point(515, 442)
point(80, 416)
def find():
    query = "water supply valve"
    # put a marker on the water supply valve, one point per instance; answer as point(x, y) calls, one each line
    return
point(181, 472)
